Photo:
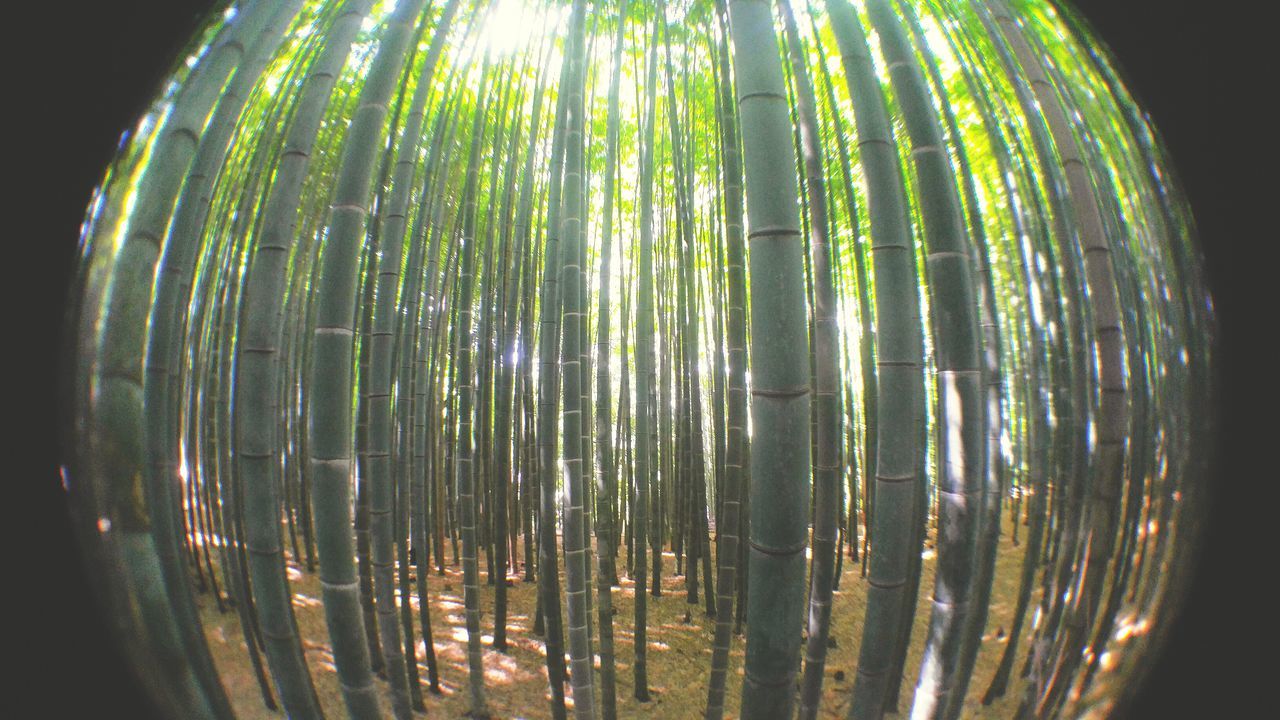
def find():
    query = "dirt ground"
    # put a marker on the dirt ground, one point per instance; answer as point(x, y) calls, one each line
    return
point(679, 653)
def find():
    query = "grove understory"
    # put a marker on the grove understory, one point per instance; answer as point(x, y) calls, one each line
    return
point(679, 648)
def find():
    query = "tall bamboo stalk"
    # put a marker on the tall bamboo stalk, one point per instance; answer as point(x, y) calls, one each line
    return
point(957, 341)
point(606, 478)
point(330, 411)
point(898, 480)
point(134, 467)
point(826, 376)
point(576, 551)
point(548, 397)
point(1108, 342)
point(464, 382)
point(729, 520)
point(645, 395)
point(779, 373)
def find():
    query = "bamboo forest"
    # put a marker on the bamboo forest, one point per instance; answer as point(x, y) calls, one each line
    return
point(627, 358)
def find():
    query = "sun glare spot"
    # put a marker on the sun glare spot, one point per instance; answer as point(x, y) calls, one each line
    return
point(508, 28)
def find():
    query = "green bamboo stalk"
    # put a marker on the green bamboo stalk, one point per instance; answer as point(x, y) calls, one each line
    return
point(826, 376)
point(1037, 439)
point(548, 397)
point(994, 470)
point(332, 398)
point(1108, 341)
point(898, 482)
point(422, 276)
point(665, 518)
point(1067, 495)
point(576, 553)
point(260, 372)
point(1070, 516)
point(779, 375)
point(399, 657)
point(728, 522)
point(466, 439)
point(584, 348)
point(606, 478)
point(364, 470)
point(1037, 410)
point(866, 344)
point(957, 341)
point(504, 397)
point(644, 360)
point(152, 607)
point(1161, 191)
point(491, 287)
point(523, 230)
point(174, 281)
point(518, 278)
point(422, 468)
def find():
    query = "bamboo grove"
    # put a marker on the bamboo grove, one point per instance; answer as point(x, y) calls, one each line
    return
point(741, 306)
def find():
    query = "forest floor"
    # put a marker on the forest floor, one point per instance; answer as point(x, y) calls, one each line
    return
point(679, 651)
